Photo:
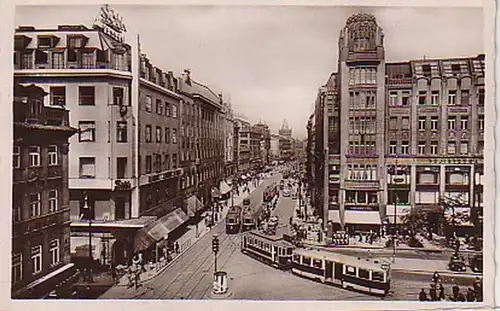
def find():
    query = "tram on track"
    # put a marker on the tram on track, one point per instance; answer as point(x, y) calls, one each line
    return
point(251, 217)
point(271, 250)
point(366, 275)
point(270, 192)
point(233, 220)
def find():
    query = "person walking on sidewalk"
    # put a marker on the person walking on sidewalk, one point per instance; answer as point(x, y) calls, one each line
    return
point(433, 293)
point(177, 247)
point(441, 292)
point(422, 296)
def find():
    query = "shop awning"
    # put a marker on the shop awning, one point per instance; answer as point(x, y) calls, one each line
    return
point(362, 217)
point(216, 193)
point(224, 187)
point(159, 229)
point(193, 205)
point(334, 216)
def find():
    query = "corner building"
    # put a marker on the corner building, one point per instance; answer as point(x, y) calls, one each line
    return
point(397, 136)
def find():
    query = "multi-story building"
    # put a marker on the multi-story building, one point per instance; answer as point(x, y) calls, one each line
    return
point(274, 149)
point(262, 131)
point(228, 125)
point(285, 142)
point(410, 133)
point(244, 143)
point(40, 209)
point(202, 151)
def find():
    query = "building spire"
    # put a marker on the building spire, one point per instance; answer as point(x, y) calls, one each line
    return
point(285, 124)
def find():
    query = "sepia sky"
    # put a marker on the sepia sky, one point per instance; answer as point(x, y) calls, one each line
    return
point(272, 60)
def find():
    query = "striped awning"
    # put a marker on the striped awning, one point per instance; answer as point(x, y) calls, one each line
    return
point(362, 217)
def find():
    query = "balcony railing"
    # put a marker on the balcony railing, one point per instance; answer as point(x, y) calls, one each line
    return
point(399, 81)
point(54, 172)
point(98, 65)
point(42, 223)
point(49, 116)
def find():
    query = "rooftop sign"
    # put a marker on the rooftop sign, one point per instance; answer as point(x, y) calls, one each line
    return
point(110, 22)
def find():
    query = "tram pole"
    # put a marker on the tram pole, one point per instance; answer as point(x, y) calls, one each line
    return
point(215, 250)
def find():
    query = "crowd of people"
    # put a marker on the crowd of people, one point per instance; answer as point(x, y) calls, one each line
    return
point(437, 291)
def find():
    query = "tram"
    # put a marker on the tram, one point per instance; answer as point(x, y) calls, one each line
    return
point(269, 249)
point(365, 275)
point(233, 219)
point(250, 217)
point(270, 192)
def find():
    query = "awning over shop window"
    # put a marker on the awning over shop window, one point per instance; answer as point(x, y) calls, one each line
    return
point(401, 211)
point(193, 205)
point(159, 229)
point(362, 217)
point(334, 216)
point(224, 188)
point(216, 193)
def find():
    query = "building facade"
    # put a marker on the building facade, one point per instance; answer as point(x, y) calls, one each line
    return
point(285, 142)
point(229, 139)
point(41, 213)
point(274, 149)
point(262, 132)
point(244, 142)
point(409, 134)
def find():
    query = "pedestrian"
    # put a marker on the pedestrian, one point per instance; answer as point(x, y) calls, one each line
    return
point(435, 277)
point(433, 293)
point(461, 297)
point(470, 295)
point(455, 291)
point(177, 247)
point(441, 292)
point(422, 296)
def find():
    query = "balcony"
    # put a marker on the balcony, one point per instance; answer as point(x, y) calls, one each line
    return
point(54, 172)
point(399, 81)
point(71, 65)
point(42, 223)
point(49, 116)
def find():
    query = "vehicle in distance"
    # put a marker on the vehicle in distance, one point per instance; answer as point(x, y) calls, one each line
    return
point(286, 192)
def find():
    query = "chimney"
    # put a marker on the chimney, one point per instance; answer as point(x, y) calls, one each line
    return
point(220, 99)
point(187, 76)
point(170, 80)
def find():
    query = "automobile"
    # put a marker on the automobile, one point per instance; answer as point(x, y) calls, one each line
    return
point(246, 201)
point(286, 192)
point(457, 264)
point(476, 262)
point(294, 196)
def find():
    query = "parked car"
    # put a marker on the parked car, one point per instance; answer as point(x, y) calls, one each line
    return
point(457, 264)
point(286, 192)
point(476, 262)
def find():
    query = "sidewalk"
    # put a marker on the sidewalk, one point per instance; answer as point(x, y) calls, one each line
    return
point(187, 240)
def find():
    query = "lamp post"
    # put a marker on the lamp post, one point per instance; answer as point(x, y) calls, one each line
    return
point(88, 215)
point(197, 164)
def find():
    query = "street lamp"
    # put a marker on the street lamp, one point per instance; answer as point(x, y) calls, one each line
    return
point(87, 211)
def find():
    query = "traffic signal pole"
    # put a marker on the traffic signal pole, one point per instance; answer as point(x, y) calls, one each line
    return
point(215, 250)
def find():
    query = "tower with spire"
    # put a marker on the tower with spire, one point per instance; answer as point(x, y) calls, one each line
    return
point(285, 130)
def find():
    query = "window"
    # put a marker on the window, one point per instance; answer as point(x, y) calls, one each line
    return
point(306, 261)
point(406, 123)
point(148, 164)
point(53, 155)
point(16, 157)
point(54, 252)
point(158, 134)
point(377, 276)
point(452, 123)
point(435, 98)
point(58, 96)
point(121, 167)
point(464, 120)
point(167, 135)
point(72, 55)
point(426, 70)
point(404, 147)
point(121, 132)
point(427, 178)
point(434, 148)
point(88, 60)
point(87, 167)
point(421, 123)
point(148, 133)
point(464, 147)
point(481, 97)
point(36, 258)
point(149, 103)
point(174, 136)
point(455, 69)
point(452, 97)
point(406, 99)
point(174, 111)
point(480, 147)
point(159, 107)
point(118, 96)
point(35, 205)
point(167, 162)
point(451, 147)
point(41, 57)
point(158, 162)
point(393, 98)
point(393, 123)
point(52, 201)
point(167, 109)
point(174, 161)
point(480, 123)
point(317, 263)
point(422, 97)
point(34, 156)
point(17, 267)
point(464, 97)
point(44, 42)
point(86, 131)
point(87, 95)
point(392, 147)
point(434, 123)
point(364, 274)
point(421, 147)
point(350, 270)
point(75, 42)
point(57, 60)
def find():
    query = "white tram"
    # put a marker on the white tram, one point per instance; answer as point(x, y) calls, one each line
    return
point(269, 249)
point(367, 275)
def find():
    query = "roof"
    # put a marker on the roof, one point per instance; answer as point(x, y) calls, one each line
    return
point(197, 89)
point(273, 238)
